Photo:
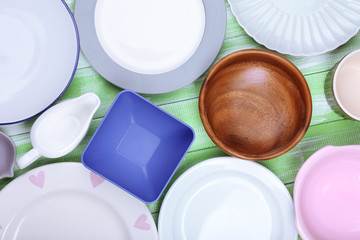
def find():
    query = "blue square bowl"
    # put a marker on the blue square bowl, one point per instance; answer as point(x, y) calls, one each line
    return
point(138, 146)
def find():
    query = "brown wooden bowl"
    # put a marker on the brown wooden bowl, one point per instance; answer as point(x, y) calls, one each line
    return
point(255, 105)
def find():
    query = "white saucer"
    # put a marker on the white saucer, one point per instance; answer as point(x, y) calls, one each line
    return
point(67, 201)
point(227, 198)
point(161, 37)
point(39, 50)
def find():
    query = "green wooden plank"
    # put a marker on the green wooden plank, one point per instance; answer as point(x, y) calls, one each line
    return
point(187, 111)
point(87, 80)
point(328, 126)
point(156, 218)
point(338, 133)
point(290, 188)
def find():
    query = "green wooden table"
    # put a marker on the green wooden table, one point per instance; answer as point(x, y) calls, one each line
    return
point(329, 126)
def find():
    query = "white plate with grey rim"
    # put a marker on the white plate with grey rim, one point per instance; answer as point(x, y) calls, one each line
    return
point(151, 46)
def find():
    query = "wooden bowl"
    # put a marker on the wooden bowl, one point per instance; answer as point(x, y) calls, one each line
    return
point(255, 105)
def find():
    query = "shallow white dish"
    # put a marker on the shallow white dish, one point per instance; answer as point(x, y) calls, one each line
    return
point(227, 198)
point(39, 50)
point(300, 28)
point(152, 41)
point(67, 201)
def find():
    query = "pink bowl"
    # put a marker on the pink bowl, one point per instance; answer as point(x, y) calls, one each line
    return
point(327, 195)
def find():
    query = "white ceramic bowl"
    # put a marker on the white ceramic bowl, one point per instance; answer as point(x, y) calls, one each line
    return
point(346, 85)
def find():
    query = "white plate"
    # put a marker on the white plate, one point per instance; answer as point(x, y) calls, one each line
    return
point(227, 198)
point(154, 46)
point(39, 50)
point(153, 42)
point(67, 201)
point(299, 27)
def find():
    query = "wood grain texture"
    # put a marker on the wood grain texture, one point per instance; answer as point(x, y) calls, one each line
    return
point(255, 105)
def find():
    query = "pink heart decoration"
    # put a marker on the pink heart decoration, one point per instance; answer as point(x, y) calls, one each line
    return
point(96, 180)
point(0, 227)
point(141, 223)
point(38, 180)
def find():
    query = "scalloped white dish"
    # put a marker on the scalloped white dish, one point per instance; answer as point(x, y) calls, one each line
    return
point(67, 201)
point(300, 28)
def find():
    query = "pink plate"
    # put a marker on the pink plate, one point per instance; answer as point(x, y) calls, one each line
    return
point(327, 195)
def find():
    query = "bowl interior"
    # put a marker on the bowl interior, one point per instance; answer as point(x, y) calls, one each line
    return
point(346, 85)
point(328, 196)
point(138, 146)
point(255, 105)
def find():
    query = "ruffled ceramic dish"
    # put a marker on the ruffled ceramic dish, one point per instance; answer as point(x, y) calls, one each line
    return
point(300, 28)
point(38, 56)
point(151, 46)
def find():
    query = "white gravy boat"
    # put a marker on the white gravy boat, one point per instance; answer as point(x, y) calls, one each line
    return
point(60, 129)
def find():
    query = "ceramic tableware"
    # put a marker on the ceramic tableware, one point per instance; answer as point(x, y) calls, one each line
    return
point(346, 85)
point(327, 195)
point(255, 105)
point(227, 198)
point(151, 46)
point(39, 51)
point(138, 146)
point(67, 201)
point(301, 28)
point(7, 156)
point(59, 130)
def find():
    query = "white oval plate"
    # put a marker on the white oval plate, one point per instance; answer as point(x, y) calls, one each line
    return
point(67, 201)
point(39, 50)
point(227, 198)
point(300, 28)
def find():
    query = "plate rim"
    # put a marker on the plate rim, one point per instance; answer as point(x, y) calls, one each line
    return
point(77, 167)
point(195, 66)
point(218, 160)
point(72, 74)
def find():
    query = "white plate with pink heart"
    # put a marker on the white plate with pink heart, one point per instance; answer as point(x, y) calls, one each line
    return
point(67, 201)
